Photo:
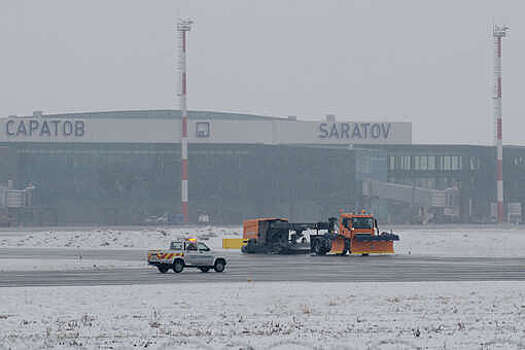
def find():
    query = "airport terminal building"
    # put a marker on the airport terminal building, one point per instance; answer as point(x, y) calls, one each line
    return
point(123, 167)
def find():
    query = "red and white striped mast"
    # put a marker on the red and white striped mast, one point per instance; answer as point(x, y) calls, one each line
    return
point(183, 26)
point(498, 33)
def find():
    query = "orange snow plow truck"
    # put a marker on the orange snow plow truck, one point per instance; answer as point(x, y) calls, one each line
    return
point(354, 233)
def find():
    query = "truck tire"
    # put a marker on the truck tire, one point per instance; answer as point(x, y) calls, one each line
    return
point(346, 248)
point(315, 247)
point(204, 269)
point(219, 265)
point(318, 250)
point(163, 268)
point(249, 247)
point(178, 266)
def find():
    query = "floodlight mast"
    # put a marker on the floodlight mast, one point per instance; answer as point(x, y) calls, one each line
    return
point(183, 26)
point(498, 32)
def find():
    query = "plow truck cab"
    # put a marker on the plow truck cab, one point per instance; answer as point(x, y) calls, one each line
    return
point(354, 233)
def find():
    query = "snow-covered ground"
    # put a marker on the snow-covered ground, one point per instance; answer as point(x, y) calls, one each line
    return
point(94, 238)
point(488, 241)
point(432, 315)
point(65, 264)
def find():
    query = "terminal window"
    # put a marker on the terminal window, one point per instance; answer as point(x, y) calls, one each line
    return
point(405, 162)
point(424, 162)
point(202, 129)
point(450, 162)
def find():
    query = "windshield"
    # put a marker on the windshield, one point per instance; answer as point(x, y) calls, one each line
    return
point(203, 246)
point(362, 223)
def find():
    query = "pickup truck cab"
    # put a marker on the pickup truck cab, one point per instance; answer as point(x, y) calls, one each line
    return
point(187, 253)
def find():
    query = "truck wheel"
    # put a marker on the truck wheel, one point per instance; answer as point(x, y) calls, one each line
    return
point(178, 266)
point(219, 265)
point(318, 250)
point(163, 268)
point(346, 248)
point(205, 269)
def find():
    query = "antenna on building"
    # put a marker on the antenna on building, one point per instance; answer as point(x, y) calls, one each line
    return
point(498, 32)
point(330, 118)
point(183, 26)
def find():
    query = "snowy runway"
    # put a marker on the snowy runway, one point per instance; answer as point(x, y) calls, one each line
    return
point(262, 268)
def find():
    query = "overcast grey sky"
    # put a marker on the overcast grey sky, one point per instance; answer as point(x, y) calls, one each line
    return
point(429, 62)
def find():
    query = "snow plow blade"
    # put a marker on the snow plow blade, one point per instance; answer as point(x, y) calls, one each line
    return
point(384, 237)
point(380, 244)
point(372, 247)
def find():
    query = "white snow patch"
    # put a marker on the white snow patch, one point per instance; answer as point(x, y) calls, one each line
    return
point(65, 264)
point(94, 238)
point(431, 315)
point(470, 241)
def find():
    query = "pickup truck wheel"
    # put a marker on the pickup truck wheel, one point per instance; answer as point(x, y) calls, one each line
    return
point(219, 265)
point(205, 269)
point(178, 266)
point(163, 268)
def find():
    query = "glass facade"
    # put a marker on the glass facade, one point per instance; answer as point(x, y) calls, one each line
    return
point(127, 183)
